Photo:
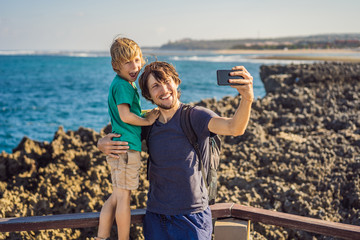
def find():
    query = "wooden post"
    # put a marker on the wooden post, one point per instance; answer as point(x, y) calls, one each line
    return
point(232, 228)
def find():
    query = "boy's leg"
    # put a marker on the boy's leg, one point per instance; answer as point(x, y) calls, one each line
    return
point(107, 216)
point(125, 177)
point(129, 181)
point(118, 206)
point(107, 213)
point(122, 212)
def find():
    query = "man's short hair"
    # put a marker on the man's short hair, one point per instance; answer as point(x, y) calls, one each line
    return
point(160, 71)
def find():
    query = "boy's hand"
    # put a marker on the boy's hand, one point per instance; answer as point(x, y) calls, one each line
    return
point(112, 148)
point(152, 115)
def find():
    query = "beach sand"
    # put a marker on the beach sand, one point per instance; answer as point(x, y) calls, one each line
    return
point(337, 55)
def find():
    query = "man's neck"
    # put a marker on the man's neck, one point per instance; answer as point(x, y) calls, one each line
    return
point(167, 114)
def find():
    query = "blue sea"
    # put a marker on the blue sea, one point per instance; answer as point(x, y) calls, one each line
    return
point(40, 91)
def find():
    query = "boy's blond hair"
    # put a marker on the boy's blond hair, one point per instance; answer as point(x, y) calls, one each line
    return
point(123, 50)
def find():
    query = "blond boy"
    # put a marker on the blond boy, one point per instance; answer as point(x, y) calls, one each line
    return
point(126, 120)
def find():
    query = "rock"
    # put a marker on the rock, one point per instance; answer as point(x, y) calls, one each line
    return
point(299, 154)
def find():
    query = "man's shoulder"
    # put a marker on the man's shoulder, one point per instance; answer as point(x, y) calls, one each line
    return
point(202, 111)
point(200, 118)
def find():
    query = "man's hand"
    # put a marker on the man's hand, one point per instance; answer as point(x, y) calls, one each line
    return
point(237, 124)
point(110, 147)
point(246, 89)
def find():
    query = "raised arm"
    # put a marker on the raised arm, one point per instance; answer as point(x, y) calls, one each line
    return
point(237, 124)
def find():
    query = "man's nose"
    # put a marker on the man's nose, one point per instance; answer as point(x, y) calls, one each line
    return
point(164, 87)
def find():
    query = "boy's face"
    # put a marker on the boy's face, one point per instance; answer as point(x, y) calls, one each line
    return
point(164, 93)
point(130, 70)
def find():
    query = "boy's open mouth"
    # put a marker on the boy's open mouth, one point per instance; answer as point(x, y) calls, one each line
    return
point(133, 74)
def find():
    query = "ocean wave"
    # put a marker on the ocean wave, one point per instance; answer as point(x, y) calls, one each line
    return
point(54, 53)
point(22, 52)
point(236, 58)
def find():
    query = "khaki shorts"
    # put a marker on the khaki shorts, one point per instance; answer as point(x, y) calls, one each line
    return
point(125, 170)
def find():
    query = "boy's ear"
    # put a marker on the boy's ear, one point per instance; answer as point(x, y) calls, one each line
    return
point(115, 66)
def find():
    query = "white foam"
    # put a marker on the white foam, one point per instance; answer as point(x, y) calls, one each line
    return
point(54, 53)
point(17, 52)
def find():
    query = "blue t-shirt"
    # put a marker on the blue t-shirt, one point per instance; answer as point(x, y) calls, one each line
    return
point(121, 91)
point(176, 184)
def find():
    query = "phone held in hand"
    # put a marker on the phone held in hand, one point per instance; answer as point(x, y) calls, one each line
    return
point(223, 77)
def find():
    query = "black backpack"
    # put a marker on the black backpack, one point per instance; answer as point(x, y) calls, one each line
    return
point(210, 178)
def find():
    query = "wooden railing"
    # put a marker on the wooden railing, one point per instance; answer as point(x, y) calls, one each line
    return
point(220, 210)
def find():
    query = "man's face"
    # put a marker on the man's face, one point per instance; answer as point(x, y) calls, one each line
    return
point(163, 93)
point(130, 70)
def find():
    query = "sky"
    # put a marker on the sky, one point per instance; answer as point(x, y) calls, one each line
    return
point(93, 24)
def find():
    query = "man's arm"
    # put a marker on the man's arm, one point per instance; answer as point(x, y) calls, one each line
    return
point(112, 148)
point(130, 118)
point(237, 124)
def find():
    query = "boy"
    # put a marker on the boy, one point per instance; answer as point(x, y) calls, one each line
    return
point(125, 114)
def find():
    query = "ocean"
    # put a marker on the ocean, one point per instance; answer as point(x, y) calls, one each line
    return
point(41, 91)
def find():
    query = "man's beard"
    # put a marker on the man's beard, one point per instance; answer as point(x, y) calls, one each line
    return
point(165, 107)
point(175, 100)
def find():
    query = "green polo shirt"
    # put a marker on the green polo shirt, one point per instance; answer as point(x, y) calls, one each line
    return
point(121, 91)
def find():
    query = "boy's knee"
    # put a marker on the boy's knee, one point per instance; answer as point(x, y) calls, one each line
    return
point(121, 193)
point(112, 199)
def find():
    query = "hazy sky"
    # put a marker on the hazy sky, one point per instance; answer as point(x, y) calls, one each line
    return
point(92, 24)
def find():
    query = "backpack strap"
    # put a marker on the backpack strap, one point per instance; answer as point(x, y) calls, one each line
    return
point(187, 128)
point(145, 134)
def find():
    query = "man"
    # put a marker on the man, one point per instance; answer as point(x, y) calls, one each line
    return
point(177, 206)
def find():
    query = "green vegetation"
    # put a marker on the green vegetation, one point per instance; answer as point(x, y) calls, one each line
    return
point(325, 41)
point(337, 44)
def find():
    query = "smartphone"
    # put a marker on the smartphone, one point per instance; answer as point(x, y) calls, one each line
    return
point(223, 77)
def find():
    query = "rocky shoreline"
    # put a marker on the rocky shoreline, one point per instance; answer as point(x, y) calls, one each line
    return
point(299, 155)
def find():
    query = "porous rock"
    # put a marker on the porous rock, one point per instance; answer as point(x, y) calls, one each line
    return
point(299, 155)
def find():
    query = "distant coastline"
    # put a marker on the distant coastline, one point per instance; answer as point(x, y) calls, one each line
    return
point(320, 41)
point(289, 51)
point(321, 47)
point(338, 55)
point(341, 55)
